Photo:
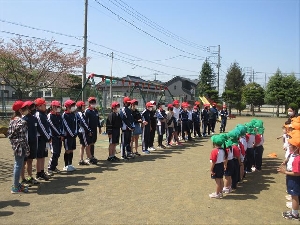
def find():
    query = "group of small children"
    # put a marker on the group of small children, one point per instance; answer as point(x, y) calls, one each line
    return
point(35, 130)
point(291, 165)
point(236, 153)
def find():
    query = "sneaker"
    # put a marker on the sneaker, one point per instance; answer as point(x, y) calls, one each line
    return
point(168, 146)
point(57, 170)
point(93, 160)
point(72, 168)
point(288, 197)
point(138, 154)
point(81, 163)
point(290, 216)
point(110, 159)
point(116, 158)
point(33, 181)
point(23, 188)
point(146, 152)
point(253, 169)
point(87, 161)
point(50, 173)
point(15, 190)
point(289, 205)
point(227, 190)
point(124, 158)
point(45, 176)
point(130, 155)
point(65, 168)
point(25, 182)
point(164, 147)
point(151, 149)
point(214, 195)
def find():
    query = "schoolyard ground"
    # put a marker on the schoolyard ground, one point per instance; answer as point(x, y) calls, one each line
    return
point(168, 186)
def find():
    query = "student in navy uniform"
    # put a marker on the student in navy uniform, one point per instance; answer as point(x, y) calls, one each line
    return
point(127, 128)
point(224, 115)
point(92, 116)
point(184, 122)
point(44, 138)
point(161, 125)
point(146, 127)
point(170, 120)
point(205, 121)
point(190, 121)
point(28, 116)
point(152, 126)
point(84, 134)
point(70, 132)
point(213, 116)
point(196, 121)
point(137, 126)
point(113, 126)
point(55, 121)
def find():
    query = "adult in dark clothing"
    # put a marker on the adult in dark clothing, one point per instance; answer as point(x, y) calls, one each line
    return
point(213, 116)
point(224, 116)
point(153, 121)
point(127, 129)
point(196, 121)
point(146, 127)
point(205, 121)
point(92, 117)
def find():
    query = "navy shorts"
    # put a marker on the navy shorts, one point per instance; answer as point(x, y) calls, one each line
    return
point(94, 136)
point(115, 136)
point(84, 139)
point(293, 185)
point(70, 143)
point(185, 126)
point(41, 150)
point(229, 169)
point(33, 145)
point(177, 128)
point(218, 170)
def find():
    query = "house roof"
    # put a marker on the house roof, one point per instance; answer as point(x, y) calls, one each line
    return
point(174, 79)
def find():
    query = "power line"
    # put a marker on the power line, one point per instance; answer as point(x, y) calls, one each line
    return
point(145, 32)
point(132, 12)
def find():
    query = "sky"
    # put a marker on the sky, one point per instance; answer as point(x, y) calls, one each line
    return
point(166, 38)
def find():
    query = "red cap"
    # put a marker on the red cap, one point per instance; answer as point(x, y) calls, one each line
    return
point(126, 100)
point(224, 106)
point(17, 105)
point(69, 102)
point(170, 105)
point(153, 102)
point(91, 99)
point(55, 103)
point(80, 103)
point(40, 101)
point(149, 104)
point(115, 105)
point(175, 102)
point(27, 103)
point(197, 103)
point(195, 107)
point(214, 104)
point(206, 105)
point(133, 101)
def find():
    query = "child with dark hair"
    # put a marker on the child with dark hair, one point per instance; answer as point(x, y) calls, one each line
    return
point(196, 121)
point(70, 132)
point(55, 121)
point(170, 123)
point(137, 126)
point(218, 159)
point(161, 125)
point(113, 130)
point(17, 134)
point(146, 127)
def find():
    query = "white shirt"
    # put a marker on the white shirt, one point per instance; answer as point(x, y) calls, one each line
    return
point(176, 113)
point(244, 142)
point(230, 153)
point(190, 115)
point(251, 141)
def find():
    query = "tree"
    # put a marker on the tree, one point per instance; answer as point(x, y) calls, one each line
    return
point(29, 64)
point(230, 97)
point(282, 90)
point(254, 95)
point(206, 85)
point(240, 106)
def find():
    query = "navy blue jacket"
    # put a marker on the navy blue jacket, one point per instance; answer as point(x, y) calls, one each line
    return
point(146, 116)
point(69, 124)
point(43, 126)
point(204, 115)
point(127, 118)
point(224, 114)
point(92, 118)
point(184, 115)
point(32, 127)
point(196, 116)
point(56, 125)
point(213, 113)
point(113, 121)
point(82, 122)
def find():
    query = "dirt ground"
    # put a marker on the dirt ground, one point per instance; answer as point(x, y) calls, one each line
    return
point(166, 187)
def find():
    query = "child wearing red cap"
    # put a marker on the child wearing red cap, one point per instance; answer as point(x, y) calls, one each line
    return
point(224, 116)
point(92, 116)
point(161, 125)
point(44, 138)
point(146, 128)
point(17, 134)
point(32, 142)
point(170, 123)
point(205, 121)
point(84, 134)
point(113, 126)
point(137, 126)
point(196, 121)
point(70, 132)
point(177, 125)
point(55, 121)
point(152, 126)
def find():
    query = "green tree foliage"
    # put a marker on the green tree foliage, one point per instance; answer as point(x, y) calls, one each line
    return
point(207, 78)
point(240, 106)
point(254, 95)
point(282, 90)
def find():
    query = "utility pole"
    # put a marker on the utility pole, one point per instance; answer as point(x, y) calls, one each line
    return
point(84, 49)
point(218, 66)
point(253, 76)
point(110, 84)
point(265, 80)
point(155, 76)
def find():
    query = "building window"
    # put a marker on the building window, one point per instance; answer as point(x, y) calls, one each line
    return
point(175, 87)
point(48, 93)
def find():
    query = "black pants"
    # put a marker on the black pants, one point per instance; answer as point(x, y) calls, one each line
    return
point(170, 131)
point(249, 159)
point(126, 140)
point(235, 173)
point(56, 148)
point(151, 136)
point(197, 129)
point(204, 127)
point(223, 125)
point(146, 136)
point(258, 151)
point(212, 124)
